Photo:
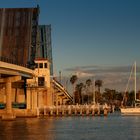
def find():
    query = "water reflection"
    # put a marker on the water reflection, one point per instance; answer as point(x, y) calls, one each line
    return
point(28, 129)
point(72, 128)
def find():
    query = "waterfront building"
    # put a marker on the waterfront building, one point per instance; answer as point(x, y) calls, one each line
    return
point(44, 44)
point(39, 86)
point(18, 33)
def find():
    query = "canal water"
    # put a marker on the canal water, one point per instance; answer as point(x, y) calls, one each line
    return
point(112, 127)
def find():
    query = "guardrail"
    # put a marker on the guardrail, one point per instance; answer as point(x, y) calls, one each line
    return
point(61, 87)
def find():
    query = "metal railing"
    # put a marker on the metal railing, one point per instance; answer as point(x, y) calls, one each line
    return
point(61, 87)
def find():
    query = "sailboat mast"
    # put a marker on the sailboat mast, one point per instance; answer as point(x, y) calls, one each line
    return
point(135, 80)
point(94, 92)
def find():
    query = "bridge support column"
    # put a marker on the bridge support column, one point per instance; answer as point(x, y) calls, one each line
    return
point(48, 97)
point(32, 102)
point(8, 97)
point(9, 114)
point(28, 100)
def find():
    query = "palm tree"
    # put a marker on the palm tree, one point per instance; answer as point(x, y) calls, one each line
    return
point(98, 84)
point(78, 93)
point(73, 79)
point(88, 84)
point(109, 95)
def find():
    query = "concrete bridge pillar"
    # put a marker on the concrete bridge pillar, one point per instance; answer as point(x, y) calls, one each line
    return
point(48, 98)
point(8, 91)
point(28, 100)
point(9, 115)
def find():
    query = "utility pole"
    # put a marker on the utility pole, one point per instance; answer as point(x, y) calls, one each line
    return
point(60, 76)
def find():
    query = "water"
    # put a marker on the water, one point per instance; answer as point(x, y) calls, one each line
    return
point(113, 127)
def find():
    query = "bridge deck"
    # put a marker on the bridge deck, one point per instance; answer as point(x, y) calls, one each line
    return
point(13, 69)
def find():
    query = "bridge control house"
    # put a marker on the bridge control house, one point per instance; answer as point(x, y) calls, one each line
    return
point(39, 92)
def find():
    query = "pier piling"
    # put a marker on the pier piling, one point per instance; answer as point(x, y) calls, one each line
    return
point(74, 110)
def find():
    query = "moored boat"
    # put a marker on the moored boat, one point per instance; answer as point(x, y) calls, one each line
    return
point(130, 111)
point(135, 110)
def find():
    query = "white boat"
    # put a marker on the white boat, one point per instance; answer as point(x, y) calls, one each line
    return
point(130, 111)
point(135, 110)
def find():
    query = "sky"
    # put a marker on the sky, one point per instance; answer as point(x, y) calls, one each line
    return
point(98, 38)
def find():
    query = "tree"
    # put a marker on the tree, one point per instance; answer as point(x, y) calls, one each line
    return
point(98, 84)
point(73, 79)
point(131, 98)
point(138, 95)
point(109, 95)
point(88, 84)
point(78, 93)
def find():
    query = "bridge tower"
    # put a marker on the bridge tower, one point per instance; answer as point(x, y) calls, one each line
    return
point(39, 89)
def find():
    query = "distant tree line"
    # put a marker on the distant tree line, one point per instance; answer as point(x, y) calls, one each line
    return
point(85, 93)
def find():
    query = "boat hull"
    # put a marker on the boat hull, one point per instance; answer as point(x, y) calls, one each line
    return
point(130, 111)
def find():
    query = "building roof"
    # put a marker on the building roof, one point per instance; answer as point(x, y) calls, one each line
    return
point(42, 59)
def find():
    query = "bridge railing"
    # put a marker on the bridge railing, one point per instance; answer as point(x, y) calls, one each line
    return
point(62, 88)
point(11, 61)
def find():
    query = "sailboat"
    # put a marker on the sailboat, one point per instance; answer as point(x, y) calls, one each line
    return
point(134, 110)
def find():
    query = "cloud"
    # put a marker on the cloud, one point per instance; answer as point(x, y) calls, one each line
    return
point(113, 77)
point(84, 74)
point(100, 69)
